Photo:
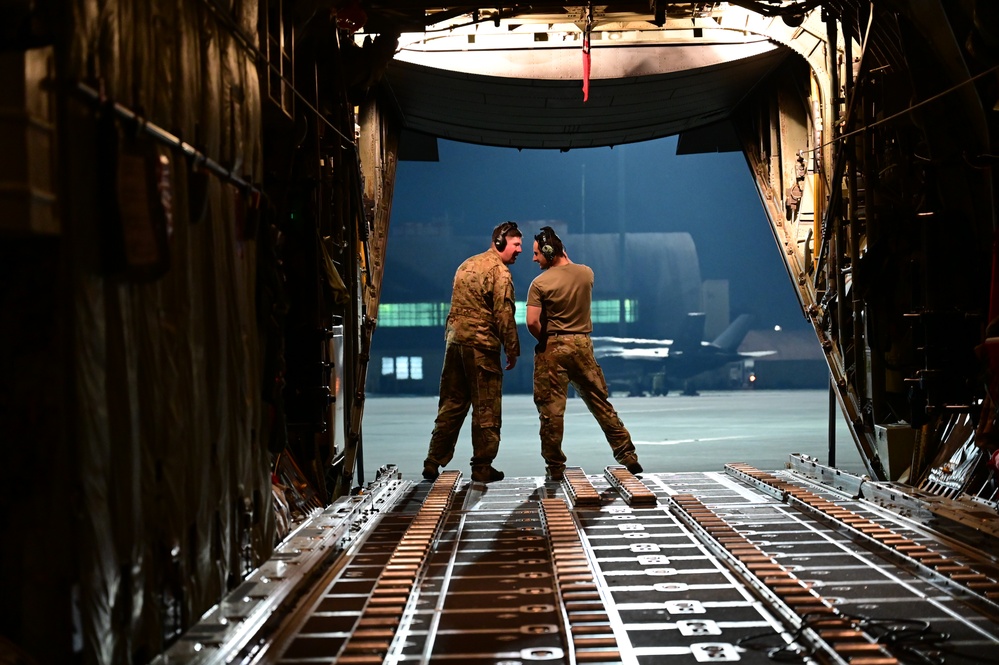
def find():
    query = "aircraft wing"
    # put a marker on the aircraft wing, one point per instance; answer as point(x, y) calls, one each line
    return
point(631, 340)
point(683, 357)
point(657, 353)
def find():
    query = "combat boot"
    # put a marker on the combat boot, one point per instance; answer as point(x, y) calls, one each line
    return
point(486, 474)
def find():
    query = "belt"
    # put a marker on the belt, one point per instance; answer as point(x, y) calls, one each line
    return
point(565, 334)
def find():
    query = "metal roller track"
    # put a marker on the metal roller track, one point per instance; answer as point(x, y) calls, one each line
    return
point(735, 566)
point(815, 618)
point(586, 623)
point(906, 544)
point(391, 599)
point(630, 487)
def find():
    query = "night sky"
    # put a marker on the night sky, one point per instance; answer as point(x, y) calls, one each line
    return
point(638, 187)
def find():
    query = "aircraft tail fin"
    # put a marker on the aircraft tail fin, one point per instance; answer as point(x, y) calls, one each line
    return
point(730, 338)
point(691, 333)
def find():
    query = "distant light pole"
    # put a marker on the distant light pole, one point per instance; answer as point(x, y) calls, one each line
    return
point(622, 214)
point(582, 213)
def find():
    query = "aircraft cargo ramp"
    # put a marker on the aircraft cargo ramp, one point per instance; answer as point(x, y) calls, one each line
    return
point(805, 564)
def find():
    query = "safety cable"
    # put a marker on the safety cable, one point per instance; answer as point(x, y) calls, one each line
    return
point(913, 107)
point(911, 637)
point(198, 159)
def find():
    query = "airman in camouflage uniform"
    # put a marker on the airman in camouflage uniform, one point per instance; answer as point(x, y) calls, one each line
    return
point(481, 320)
point(558, 315)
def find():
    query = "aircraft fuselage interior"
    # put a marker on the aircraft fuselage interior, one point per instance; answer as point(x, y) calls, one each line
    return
point(197, 197)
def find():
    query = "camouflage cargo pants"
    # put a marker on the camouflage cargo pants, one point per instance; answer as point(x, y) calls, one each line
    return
point(566, 359)
point(470, 378)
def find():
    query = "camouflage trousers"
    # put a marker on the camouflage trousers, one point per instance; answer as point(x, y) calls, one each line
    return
point(564, 360)
point(470, 378)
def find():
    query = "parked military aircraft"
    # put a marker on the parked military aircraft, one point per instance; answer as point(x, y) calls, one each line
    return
point(653, 365)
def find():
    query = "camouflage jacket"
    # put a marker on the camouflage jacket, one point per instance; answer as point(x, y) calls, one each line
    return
point(482, 305)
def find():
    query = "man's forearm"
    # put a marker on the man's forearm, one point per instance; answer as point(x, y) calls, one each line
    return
point(535, 322)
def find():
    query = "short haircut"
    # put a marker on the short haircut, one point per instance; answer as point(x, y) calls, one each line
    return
point(503, 231)
point(548, 238)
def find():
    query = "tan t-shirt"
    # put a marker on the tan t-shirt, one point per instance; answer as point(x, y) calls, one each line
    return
point(563, 293)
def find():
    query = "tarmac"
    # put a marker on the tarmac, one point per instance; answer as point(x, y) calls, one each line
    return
point(672, 433)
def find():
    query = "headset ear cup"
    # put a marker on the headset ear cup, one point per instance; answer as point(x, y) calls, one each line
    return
point(545, 245)
point(501, 233)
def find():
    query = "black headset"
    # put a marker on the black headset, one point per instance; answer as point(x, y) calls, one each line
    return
point(546, 242)
point(499, 238)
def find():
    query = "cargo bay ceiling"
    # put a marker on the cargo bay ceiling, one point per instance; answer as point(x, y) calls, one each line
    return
point(514, 76)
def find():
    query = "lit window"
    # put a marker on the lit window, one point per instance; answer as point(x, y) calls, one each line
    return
point(413, 314)
point(609, 311)
point(434, 314)
point(403, 367)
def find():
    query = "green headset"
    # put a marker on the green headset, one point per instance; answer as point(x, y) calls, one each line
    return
point(547, 242)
